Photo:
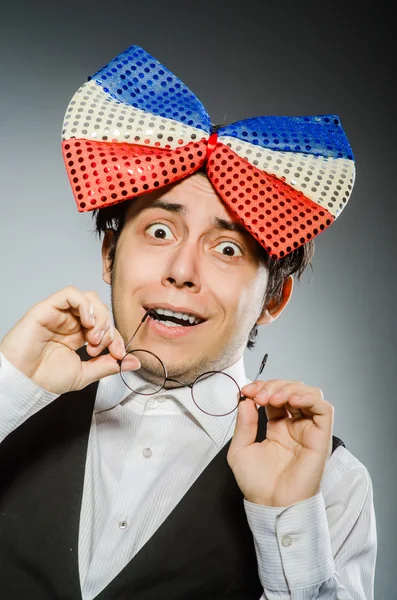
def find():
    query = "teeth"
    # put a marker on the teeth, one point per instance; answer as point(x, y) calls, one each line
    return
point(179, 315)
point(171, 324)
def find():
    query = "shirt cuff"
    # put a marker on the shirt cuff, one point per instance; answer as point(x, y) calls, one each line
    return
point(293, 544)
point(20, 397)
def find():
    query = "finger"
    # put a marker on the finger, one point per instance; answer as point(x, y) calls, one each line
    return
point(251, 388)
point(79, 303)
point(276, 412)
point(101, 316)
point(311, 404)
point(102, 336)
point(246, 426)
point(113, 341)
point(85, 314)
point(102, 366)
point(294, 412)
point(262, 391)
point(271, 385)
point(275, 382)
point(281, 395)
point(278, 403)
point(66, 304)
point(296, 403)
point(117, 347)
point(294, 387)
point(319, 411)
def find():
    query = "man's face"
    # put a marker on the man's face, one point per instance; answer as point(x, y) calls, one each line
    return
point(181, 250)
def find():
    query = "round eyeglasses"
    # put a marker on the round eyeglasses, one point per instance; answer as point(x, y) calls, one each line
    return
point(201, 387)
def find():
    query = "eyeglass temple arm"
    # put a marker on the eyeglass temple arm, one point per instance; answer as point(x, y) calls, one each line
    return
point(262, 366)
point(148, 313)
point(263, 363)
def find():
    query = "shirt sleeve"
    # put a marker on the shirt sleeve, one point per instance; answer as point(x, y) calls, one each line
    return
point(20, 397)
point(315, 549)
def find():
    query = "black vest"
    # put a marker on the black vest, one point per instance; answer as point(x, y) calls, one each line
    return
point(203, 550)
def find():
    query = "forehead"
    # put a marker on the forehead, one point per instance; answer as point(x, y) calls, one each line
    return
point(195, 193)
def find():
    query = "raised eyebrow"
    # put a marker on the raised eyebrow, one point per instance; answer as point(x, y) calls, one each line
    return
point(229, 226)
point(181, 209)
point(170, 206)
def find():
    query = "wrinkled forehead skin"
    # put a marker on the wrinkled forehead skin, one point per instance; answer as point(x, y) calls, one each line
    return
point(195, 199)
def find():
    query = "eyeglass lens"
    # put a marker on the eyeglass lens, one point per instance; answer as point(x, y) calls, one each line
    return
point(202, 390)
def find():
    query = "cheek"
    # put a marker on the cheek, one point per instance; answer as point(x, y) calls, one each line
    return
point(248, 302)
point(232, 299)
point(136, 269)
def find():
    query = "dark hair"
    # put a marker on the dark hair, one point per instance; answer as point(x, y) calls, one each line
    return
point(294, 263)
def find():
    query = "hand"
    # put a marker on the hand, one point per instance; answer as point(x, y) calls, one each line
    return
point(42, 344)
point(287, 467)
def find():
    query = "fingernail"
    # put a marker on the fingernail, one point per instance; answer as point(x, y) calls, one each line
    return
point(92, 314)
point(248, 387)
point(98, 335)
point(130, 363)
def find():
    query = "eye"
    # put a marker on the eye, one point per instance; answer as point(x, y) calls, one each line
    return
point(229, 249)
point(160, 231)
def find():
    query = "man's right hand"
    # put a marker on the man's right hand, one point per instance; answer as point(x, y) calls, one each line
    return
point(42, 344)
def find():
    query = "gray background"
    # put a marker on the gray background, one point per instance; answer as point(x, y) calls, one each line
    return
point(241, 59)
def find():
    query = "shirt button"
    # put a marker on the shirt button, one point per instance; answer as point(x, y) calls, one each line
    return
point(286, 541)
point(161, 399)
point(123, 524)
point(147, 453)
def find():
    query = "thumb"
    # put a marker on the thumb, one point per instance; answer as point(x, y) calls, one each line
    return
point(246, 426)
point(104, 365)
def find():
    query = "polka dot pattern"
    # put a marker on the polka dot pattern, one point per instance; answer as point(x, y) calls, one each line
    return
point(105, 173)
point(319, 135)
point(92, 114)
point(135, 127)
point(134, 77)
point(326, 181)
point(278, 216)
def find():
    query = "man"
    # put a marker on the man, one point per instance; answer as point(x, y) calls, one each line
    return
point(196, 499)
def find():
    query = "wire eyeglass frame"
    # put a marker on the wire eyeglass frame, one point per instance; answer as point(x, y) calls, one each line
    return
point(152, 313)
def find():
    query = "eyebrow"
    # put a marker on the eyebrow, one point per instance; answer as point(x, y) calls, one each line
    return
point(171, 207)
point(229, 226)
point(181, 209)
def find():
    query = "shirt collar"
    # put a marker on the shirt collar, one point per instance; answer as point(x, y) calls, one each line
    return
point(112, 391)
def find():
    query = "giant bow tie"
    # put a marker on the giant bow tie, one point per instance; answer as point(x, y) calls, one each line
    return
point(135, 127)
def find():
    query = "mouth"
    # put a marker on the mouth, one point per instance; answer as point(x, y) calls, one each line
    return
point(174, 318)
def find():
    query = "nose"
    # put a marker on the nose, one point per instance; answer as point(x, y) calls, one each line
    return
point(182, 269)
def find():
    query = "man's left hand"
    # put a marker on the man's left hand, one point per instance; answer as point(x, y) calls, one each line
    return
point(287, 467)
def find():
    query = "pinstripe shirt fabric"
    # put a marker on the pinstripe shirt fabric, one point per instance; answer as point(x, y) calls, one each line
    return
point(138, 469)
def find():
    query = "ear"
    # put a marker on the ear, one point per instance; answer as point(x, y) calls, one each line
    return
point(274, 309)
point(106, 247)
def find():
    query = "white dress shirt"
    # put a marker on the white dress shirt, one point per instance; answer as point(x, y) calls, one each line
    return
point(138, 469)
